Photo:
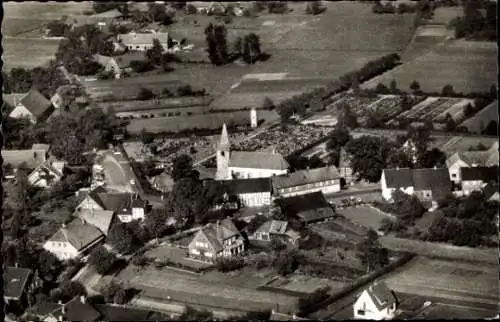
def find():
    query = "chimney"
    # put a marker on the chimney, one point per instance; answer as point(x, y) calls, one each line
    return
point(83, 299)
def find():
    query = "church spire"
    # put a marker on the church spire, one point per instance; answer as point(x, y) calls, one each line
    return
point(224, 139)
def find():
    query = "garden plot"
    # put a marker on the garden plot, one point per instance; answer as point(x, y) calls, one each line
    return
point(456, 111)
point(436, 108)
point(366, 216)
point(387, 107)
point(305, 284)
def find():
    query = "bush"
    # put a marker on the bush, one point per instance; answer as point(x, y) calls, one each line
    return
point(101, 259)
point(313, 240)
point(145, 94)
point(141, 260)
point(318, 296)
point(229, 264)
point(286, 263)
point(141, 66)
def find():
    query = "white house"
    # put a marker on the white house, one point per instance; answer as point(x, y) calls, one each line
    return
point(216, 240)
point(476, 178)
point(376, 302)
point(246, 165)
point(467, 159)
point(47, 173)
point(427, 184)
point(32, 105)
point(325, 179)
point(135, 209)
point(73, 240)
point(143, 41)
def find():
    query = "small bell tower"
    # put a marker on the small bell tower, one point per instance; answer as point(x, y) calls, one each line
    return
point(223, 156)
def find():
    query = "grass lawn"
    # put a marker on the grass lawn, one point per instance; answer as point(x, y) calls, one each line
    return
point(366, 216)
point(174, 254)
point(464, 65)
point(44, 10)
point(28, 53)
point(440, 311)
point(305, 284)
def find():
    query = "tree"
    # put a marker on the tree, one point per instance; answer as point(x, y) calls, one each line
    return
point(450, 123)
point(182, 167)
point(268, 104)
point(145, 94)
point(110, 291)
point(157, 13)
point(468, 111)
point(121, 238)
point(314, 7)
point(285, 263)
point(306, 302)
point(155, 54)
point(408, 208)
point(192, 314)
point(191, 9)
point(371, 254)
point(66, 291)
point(255, 223)
point(399, 159)
point(277, 7)
point(101, 259)
point(432, 158)
point(238, 46)
point(185, 90)
point(491, 128)
point(251, 48)
point(58, 29)
point(368, 156)
point(415, 87)
point(381, 89)
point(394, 87)
point(447, 90)
point(347, 118)
point(216, 37)
point(141, 66)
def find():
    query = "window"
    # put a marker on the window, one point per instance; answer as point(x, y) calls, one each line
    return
point(361, 312)
point(453, 175)
point(177, 113)
point(222, 153)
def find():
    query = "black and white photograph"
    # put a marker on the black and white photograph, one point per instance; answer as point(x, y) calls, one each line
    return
point(249, 160)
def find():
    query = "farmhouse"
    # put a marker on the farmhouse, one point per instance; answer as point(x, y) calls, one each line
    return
point(309, 208)
point(216, 240)
point(427, 184)
point(250, 192)
point(101, 219)
point(73, 240)
point(33, 157)
point(377, 302)
point(466, 159)
point(143, 41)
point(119, 64)
point(476, 178)
point(325, 179)
point(16, 283)
point(32, 105)
point(276, 229)
point(100, 199)
point(242, 164)
point(78, 309)
point(47, 173)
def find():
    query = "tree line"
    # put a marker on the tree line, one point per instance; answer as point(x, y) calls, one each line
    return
point(479, 21)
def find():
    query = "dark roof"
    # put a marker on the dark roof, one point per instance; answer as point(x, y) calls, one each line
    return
point(398, 178)
point(381, 295)
point(76, 310)
point(308, 207)
point(303, 177)
point(218, 232)
point(15, 281)
point(485, 174)
point(78, 234)
point(36, 103)
point(490, 189)
point(43, 309)
point(110, 201)
point(110, 312)
point(240, 186)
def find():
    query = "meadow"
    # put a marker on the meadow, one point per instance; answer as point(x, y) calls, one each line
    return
point(35, 52)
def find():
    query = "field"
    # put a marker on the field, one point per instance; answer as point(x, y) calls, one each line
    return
point(459, 143)
point(478, 122)
point(28, 52)
point(211, 289)
point(15, 26)
point(436, 108)
point(366, 216)
point(444, 15)
point(464, 65)
point(204, 121)
point(439, 311)
point(303, 284)
point(44, 10)
point(447, 279)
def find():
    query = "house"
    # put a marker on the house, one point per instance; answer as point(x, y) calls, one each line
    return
point(221, 239)
point(325, 179)
point(64, 96)
point(77, 309)
point(376, 302)
point(100, 199)
point(491, 191)
point(276, 229)
point(250, 192)
point(309, 208)
point(33, 157)
point(466, 159)
point(119, 64)
point(427, 184)
point(32, 105)
point(163, 182)
point(101, 219)
point(476, 178)
point(246, 165)
point(134, 209)
point(73, 240)
point(16, 281)
point(344, 168)
point(143, 41)
point(46, 174)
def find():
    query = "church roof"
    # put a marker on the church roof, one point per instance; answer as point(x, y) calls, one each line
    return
point(224, 139)
point(258, 160)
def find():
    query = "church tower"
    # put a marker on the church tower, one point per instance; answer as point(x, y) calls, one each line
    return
point(223, 153)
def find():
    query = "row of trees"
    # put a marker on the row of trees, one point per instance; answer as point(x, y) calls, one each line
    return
point(474, 24)
point(424, 8)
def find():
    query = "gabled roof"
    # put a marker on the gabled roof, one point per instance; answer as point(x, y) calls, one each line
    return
point(490, 189)
point(381, 296)
point(36, 103)
point(78, 234)
point(258, 160)
point(101, 219)
point(398, 178)
point(13, 99)
point(303, 177)
point(485, 174)
point(476, 158)
point(163, 180)
point(218, 232)
point(273, 227)
point(134, 38)
point(435, 179)
point(15, 281)
point(76, 310)
point(110, 201)
point(308, 207)
point(205, 173)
